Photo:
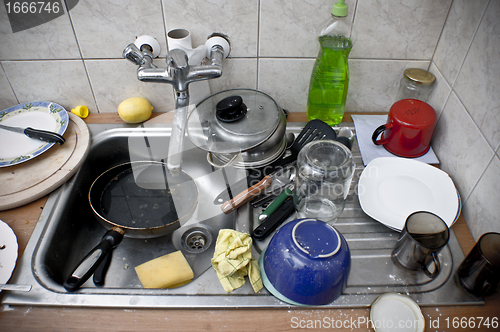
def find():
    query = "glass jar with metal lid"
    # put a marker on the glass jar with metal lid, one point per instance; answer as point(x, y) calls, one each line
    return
point(416, 84)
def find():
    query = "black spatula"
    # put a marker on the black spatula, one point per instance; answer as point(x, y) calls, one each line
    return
point(313, 131)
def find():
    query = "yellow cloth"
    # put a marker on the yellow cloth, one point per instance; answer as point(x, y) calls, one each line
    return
point(233, 261)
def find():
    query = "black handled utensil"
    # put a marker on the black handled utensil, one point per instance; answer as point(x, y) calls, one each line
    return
point(274, 220)
point(43, 135)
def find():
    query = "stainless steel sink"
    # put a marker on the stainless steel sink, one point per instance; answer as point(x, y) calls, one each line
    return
point(67, 230)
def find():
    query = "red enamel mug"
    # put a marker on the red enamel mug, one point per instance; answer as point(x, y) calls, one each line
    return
point(409, 128)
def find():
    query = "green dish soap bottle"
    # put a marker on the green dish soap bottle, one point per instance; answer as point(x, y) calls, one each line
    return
point(330, 75)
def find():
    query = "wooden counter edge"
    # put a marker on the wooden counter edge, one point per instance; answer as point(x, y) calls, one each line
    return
point(20, 318)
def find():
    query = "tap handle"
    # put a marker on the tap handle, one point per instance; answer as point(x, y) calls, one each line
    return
point(133, 54)
point(177, 58)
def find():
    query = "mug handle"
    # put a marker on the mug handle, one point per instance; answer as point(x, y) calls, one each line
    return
point(379, 131)
point(437, 267)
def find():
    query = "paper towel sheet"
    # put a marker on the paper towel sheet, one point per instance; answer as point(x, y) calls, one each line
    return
point(365, 125)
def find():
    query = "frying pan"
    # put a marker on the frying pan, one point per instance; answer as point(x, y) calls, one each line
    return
point(137, 200)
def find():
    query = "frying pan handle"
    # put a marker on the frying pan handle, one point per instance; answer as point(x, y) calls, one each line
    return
point(246, 195)
point(93, 259)
point(100, 272)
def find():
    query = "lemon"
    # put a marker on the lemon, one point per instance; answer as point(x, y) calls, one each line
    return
point(135, 110)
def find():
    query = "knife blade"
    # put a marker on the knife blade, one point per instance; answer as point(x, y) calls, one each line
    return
point(275, 180)
point(43, 135)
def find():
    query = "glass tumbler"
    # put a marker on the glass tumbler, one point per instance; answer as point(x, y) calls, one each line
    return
point(325, 170)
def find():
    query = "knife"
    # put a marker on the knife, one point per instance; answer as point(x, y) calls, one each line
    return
point(43, 135)
point(276, 204)
point(255, 178)
point(281, 177)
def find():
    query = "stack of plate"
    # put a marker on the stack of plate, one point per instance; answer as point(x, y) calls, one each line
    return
point(8, 252)
point(392, 188)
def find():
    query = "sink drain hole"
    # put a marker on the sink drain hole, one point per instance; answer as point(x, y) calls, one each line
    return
point(196, 240)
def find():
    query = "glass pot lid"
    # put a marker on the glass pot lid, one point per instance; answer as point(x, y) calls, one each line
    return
point(232, 121)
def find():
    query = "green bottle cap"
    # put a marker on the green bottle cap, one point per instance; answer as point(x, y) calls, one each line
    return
point(340, 9)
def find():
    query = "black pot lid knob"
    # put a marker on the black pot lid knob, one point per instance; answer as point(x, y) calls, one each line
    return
point(230, 109)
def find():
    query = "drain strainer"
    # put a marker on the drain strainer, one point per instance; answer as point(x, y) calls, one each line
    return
point(196, 240)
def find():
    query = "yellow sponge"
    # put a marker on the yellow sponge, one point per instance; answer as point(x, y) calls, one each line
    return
point(167, 271)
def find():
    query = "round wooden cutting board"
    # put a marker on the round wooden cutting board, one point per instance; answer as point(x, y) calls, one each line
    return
point(23, 183)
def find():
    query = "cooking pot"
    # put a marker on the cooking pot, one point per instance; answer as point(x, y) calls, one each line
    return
point(240, 127)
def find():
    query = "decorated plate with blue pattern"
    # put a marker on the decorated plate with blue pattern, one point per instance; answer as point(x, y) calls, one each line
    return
point(16, 148)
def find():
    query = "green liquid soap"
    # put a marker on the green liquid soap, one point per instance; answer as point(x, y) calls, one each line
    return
point(329, 80)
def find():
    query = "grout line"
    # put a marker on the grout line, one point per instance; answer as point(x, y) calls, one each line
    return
point(440, 35)
point(8, 81)
point(488, 164)
point(470, 45)
point(81, 56)
point(258, 44)
point(165, 28)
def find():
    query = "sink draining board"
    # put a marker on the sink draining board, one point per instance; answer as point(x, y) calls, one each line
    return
point(372, 272)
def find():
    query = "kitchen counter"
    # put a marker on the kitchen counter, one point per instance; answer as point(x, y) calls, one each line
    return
point(25, 318)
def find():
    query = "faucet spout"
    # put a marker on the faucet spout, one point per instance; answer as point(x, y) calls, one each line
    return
point(179, 74)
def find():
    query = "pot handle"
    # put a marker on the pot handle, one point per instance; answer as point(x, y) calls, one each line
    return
point(379, 131)
point(211, 161)
point(93, 259)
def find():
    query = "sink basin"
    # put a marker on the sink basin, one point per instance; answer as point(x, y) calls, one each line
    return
point(67, 230)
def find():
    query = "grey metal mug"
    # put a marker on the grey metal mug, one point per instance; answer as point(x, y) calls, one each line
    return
point(479, 273)
point(421, 240)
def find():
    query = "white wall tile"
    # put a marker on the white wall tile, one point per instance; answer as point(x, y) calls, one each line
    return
point(63, 82)
point(105, 28)
point(7, 96)
point(461, 24)
point(116, 80)
point(286, 81)
point(236, 19)
point(51, 40)
point(236, 74)
point(403, 29)
point(478, 83)
point(481, 210)
point(460, 146)
point(289, 28)
point(440, 90)
point(373, 84)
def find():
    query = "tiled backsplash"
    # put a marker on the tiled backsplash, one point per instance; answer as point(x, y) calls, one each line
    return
point(76, 59)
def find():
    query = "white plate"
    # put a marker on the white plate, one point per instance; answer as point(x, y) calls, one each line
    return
point(16, 148)
point(8, 255)
point(396, 312)
point(392, 188)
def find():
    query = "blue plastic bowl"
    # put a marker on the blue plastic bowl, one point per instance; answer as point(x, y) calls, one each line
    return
point(307, 262)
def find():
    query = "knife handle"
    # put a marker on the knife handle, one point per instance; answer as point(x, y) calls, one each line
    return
point(246, 195)
point(276, 204)
point(43, 135)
